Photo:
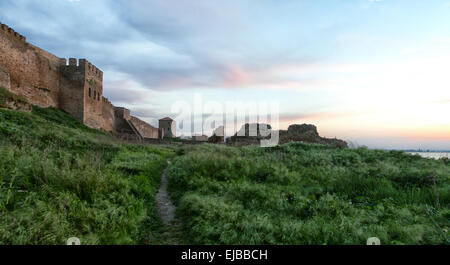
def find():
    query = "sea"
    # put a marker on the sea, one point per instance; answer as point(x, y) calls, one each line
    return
point(435, 155)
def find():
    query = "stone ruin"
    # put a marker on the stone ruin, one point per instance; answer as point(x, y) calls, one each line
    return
point(295, 133)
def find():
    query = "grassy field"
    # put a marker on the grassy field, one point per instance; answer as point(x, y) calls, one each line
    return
point(310, 194)
point(60, 179)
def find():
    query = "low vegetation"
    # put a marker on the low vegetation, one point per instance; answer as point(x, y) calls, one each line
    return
point(60, 179)
point(6, 96)
point(310, 194)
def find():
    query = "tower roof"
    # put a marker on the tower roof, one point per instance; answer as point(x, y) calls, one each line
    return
point(166, 119)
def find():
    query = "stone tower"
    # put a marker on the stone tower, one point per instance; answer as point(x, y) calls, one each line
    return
point(45, 80)
point(168, 126)
point(81, 91)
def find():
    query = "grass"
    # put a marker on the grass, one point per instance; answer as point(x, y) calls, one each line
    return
point(5, 96)
point(60, 179)
point(309, 194)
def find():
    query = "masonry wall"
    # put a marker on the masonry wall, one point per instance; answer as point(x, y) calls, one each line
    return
point(169, 127)
point(93, 101)
point(146, 130)
point(108, 115)
point(120, 117)
point(200, 138)
point(75, 86)
point(71, 97)
point(4, 78)
point(33, 72)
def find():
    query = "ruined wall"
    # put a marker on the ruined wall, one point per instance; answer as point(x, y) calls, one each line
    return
point(200, 138)
point(76, 87)
point(146, 130)
point(122, 113)
point(168, 126)
point(48, 81)
point(33, 72)
point(296, 133)
point(81, 90)
point(108, 115)
point(4, 78)
point(120, 123)
point(71, 97)
point(93, 94)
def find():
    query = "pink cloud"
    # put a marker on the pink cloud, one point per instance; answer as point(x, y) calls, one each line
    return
point(236, 75)
point(317, 116)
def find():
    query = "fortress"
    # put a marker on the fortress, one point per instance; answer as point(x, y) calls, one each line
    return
point(75, 86)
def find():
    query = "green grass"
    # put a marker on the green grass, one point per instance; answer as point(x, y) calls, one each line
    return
point(309, 194)
point(5, 96)
point(60, 179)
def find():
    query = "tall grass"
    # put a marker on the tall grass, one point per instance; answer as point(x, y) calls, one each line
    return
point(309, 194)
point(60, 179)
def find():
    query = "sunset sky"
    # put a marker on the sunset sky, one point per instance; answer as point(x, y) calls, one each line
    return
point(374, 72)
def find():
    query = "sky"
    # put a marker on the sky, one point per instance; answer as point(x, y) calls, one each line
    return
point(372, 72)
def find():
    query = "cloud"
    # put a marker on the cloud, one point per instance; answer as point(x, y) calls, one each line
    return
point(120, 92)
point(319, 115)
point(145, 112)
point(319, 60)
point(162, 44)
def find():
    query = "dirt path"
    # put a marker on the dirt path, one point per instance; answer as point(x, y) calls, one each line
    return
point(166, 211)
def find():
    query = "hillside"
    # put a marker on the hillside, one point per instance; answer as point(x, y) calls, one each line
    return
point(59, 178)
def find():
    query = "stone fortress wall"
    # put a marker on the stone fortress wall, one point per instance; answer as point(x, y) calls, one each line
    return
point(75, 86)
point(33, 73)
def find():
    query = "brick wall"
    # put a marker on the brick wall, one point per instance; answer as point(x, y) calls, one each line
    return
point(169, 127)
point(108, 115)
point(93, 104)
point(76, 87)
point(4, 78)
point(120, 117)
point(146, 130)
point(71, 98)
point(33, 72)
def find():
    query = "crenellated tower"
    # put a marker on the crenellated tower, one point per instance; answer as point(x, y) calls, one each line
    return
point(75, 86)
point(81, 91)
point(13, 35)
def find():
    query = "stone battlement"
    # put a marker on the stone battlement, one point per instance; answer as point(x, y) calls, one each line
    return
point(81, 65)
point(106, 101)
point(13, 34)
point(73, 85)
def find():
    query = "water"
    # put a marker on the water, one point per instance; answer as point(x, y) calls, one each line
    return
point(435, 155)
